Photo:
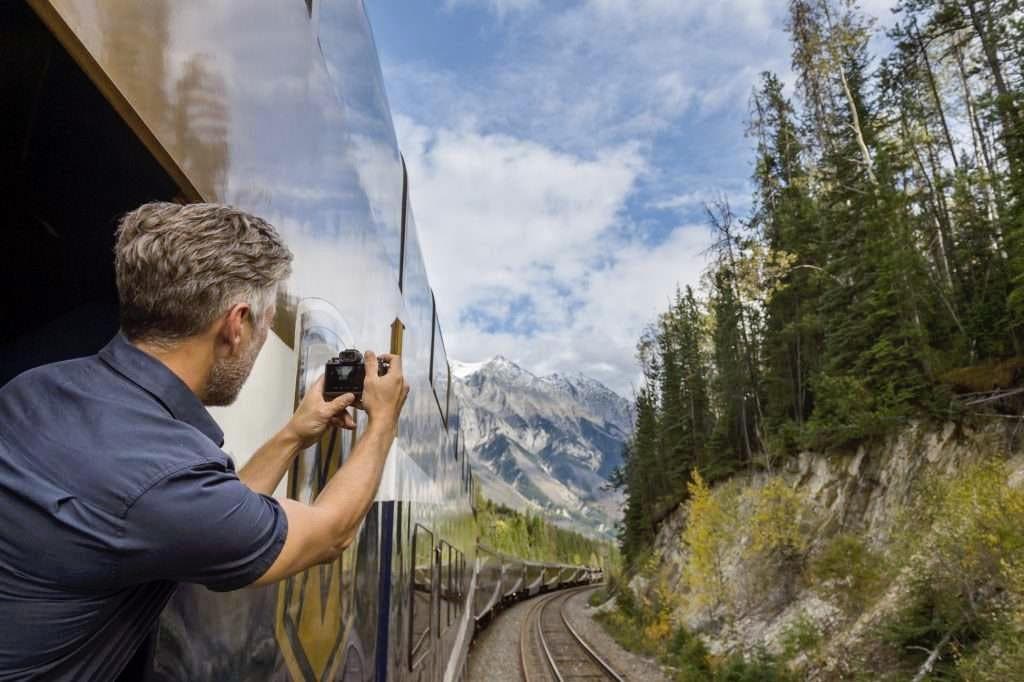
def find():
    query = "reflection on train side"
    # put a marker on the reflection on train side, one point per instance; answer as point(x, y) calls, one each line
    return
point(421, 596)
point(315, 609)
point(279, 108)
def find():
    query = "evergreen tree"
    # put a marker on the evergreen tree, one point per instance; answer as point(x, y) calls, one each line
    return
point(884, 249)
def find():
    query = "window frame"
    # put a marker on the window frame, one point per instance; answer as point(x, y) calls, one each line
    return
point(420, 647)
point(435, 334)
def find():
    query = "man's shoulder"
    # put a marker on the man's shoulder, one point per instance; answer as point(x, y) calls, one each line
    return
point(63, 370)
point(96, 435)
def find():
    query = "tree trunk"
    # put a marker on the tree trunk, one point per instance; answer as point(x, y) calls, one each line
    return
point(935, 94)
point(1004, 104)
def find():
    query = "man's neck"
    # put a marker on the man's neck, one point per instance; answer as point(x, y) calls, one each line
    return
point(190, 360)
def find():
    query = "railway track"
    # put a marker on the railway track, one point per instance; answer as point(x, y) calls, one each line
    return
point(550, 649)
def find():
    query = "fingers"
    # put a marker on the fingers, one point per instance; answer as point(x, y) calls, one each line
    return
point(349, 421)
point(341, 402)
point(345, 421)
point(395, 361)
point(370, 359)
point(339, 406)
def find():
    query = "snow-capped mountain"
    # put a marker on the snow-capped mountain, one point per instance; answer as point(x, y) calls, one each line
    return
point(544, 442)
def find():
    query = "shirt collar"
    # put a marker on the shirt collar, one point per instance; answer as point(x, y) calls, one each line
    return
point(156, 379)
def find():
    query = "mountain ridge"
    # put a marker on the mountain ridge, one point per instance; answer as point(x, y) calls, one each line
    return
point(544, 443)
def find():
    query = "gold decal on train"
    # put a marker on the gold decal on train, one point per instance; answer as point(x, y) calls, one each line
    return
point(314, 617)
point(397, 335)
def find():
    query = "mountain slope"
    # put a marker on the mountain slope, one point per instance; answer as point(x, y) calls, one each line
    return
point(545, 443)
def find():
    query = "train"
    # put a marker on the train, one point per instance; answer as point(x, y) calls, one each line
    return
point(277, 107)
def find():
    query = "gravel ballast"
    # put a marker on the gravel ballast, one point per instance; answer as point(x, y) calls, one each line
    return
point(494, 654)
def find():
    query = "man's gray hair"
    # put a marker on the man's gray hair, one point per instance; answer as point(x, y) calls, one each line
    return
point(179, 268)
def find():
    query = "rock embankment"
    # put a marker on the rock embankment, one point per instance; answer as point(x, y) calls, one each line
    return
point(761, 601)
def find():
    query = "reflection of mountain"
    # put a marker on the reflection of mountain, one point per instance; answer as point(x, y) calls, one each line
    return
point(544, 442)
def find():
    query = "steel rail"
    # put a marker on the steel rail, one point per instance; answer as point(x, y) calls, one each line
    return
point(524, 635)
point(583, 643)
point(603, 667)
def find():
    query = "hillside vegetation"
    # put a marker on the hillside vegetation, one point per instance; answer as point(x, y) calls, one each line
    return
point(532, 537)
point(875, 292)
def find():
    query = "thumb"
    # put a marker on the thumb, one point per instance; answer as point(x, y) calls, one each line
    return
point(341, 402)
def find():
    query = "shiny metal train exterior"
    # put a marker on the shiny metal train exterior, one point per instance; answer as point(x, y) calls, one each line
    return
point(278, 107)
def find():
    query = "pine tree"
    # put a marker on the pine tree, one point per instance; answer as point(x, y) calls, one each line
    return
point(786, 219)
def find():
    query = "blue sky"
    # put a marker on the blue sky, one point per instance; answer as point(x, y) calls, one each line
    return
point(560, 154)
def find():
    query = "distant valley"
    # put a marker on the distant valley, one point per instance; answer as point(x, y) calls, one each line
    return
point(544, 443)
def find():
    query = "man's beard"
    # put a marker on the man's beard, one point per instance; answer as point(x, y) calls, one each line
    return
point(228, 375)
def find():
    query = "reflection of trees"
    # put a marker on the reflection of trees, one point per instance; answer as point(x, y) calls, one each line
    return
point(135, 40)
point(190, 115)
point(201, 127)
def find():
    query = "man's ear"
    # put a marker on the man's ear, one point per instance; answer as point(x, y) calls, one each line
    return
point(232, 328)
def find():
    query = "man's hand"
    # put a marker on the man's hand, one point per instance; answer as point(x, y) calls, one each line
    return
point(383, 397)
point(318, 532)
point(314, 415)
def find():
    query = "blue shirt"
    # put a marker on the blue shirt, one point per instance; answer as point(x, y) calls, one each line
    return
point(113, 488)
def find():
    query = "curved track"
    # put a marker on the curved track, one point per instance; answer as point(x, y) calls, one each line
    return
point(550, 649)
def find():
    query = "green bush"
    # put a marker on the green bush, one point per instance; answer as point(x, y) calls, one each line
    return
point(688, 655)
point(760, 667)
point(802, 636)
point(966, 598)
point(599, 596)
point(850, 571)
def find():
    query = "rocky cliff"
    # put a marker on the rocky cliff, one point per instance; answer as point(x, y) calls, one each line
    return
point(814, 563)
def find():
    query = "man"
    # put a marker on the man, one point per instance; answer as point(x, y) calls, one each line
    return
point(113, 484)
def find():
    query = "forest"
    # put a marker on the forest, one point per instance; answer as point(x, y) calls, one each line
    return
point(879, 275)
point(532, 537)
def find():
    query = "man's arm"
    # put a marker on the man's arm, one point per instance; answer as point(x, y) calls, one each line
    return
point(317, 533)
point(268, 465)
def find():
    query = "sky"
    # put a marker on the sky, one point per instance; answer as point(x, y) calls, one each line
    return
point(560, 155)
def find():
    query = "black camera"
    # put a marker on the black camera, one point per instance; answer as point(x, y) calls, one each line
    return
point(347, 372)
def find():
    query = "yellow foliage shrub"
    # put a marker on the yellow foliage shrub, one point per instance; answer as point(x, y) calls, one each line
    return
point(777, 520)
point(708, 533)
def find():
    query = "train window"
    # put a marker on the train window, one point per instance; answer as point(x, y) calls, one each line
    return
point(440, 372)
point(405, 213)
point(462, 581)
point(447, 393)
point(398, 581)
point(62, 200)
point(446, 581)
point(421, 600)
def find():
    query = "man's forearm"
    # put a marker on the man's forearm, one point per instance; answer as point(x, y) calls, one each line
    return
point(349, 493)
point(270, 463)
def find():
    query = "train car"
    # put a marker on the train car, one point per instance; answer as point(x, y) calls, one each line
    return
point(489, 577)
point(533, 578)
point(514, 575)
point(278, 107)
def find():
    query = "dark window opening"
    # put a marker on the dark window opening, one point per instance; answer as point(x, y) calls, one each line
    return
point(440, 372)
point(421, 596)
point(405, 213)
point(70, 167)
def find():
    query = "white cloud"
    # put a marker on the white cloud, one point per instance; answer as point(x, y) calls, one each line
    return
point(524, 173)
point(518, 230)
point(506, 218)
point(696, 200)
point(499, 7)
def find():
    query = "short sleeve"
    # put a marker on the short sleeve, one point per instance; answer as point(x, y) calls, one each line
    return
point(202, 525)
